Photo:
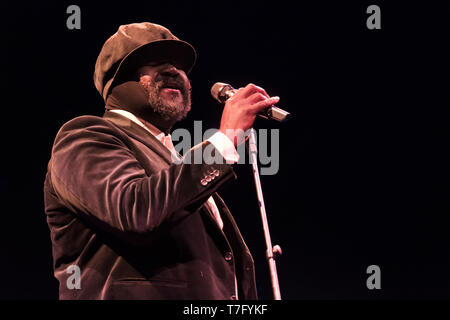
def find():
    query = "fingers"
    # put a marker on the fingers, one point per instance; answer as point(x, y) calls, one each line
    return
point(263, 104)
point(250, 89)
point(256, 98)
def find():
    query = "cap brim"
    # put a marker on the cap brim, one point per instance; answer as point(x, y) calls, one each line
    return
point(181, 53)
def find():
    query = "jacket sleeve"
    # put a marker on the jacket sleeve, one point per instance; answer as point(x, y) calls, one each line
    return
point(96, 175)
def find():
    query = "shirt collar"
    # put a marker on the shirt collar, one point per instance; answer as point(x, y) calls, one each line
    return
point(149, 127)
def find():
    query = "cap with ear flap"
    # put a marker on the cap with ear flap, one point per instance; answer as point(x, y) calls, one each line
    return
point(132, 46)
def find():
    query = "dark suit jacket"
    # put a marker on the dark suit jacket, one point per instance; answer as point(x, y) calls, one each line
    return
point(134, 223)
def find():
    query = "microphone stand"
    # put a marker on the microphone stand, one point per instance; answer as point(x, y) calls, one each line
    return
point(271, 252)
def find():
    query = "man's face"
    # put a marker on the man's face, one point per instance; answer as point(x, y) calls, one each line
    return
point(168, 89)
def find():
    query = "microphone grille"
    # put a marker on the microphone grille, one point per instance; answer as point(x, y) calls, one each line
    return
point(216, 89)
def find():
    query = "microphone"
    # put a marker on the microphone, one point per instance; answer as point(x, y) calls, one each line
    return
point(223, 91)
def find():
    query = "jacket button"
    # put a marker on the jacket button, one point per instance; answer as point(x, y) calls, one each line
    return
point(233, 297)
point(204, 182)
point(228, 256)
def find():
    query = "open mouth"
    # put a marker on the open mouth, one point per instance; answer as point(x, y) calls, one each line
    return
point(171, 90)
point(172, 87)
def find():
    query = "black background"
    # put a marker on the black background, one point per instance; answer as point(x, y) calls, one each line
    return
point(362, 162)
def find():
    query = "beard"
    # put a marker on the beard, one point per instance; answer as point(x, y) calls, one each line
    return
point(169, 107)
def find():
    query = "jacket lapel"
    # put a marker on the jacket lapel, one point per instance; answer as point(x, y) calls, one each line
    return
point(137, 132)
point(229, 223)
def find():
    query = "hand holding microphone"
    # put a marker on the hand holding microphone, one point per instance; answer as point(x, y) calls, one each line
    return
point(241, 108)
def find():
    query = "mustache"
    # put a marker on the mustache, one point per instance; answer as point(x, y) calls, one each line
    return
point(175, 82)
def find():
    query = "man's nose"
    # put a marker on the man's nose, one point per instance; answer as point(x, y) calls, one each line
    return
point(170, 70)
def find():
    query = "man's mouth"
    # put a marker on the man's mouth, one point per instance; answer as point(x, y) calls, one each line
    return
point(172, 88)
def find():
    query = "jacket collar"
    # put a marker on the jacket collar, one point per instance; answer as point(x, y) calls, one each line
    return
point(137, 132)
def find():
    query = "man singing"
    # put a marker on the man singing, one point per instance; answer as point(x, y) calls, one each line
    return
point(134, 223)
